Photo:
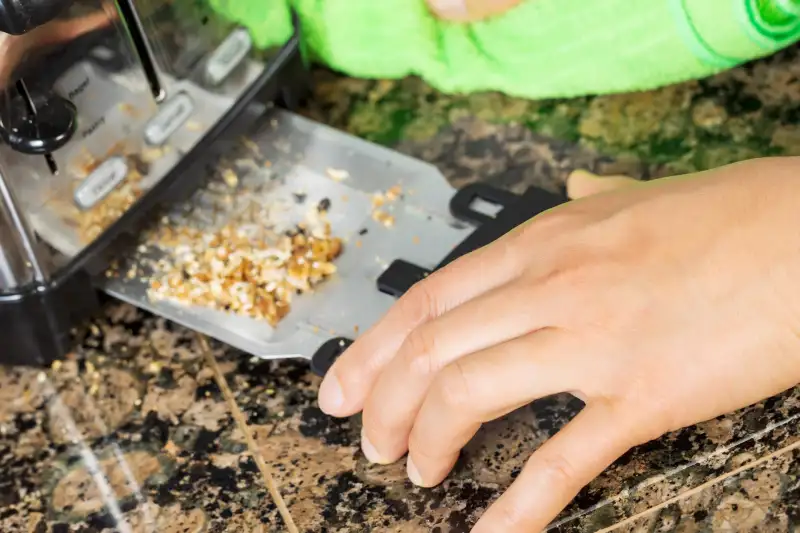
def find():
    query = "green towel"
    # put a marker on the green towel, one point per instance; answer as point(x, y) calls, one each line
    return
point(540, 49)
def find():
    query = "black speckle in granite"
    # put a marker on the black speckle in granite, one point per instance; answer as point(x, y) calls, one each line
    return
point(755, 420)
point(257, 414)
point(24, 423)
point(165, 495)
point(225, 478)
point(59, 528)
point(700, 515)
point(208, 390)
point(476, 498)
point(588, 498)
point(398, 509)
point(155, 430)
point(770, 403)
point(101, 521)
point(248, 465)
point(166, 379)
point(297, 372)
point(358, 498)
point(315, 423)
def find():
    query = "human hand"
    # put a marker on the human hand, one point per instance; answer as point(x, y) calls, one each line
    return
point(15, 49)
point(660, 305)
point(470, 10)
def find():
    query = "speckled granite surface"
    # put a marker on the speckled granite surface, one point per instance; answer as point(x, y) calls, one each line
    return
point(132, 433)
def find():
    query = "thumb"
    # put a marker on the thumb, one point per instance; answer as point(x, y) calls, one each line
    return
point(470, 10)
point(582, 183)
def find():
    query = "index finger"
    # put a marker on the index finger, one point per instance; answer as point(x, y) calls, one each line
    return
point(351, 378)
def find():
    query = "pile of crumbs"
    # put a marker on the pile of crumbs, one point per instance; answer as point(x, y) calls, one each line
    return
point(379, 200)
point(232, 250)
point(90, 223)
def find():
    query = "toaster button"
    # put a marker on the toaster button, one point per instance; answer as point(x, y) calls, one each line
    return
point(228, 56)
point(171, 116)
point(101, 182)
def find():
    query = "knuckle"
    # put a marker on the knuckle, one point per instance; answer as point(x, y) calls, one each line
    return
point(420, 349)
point(420, 303)
point(559, 472)
point(453, 387)
point(512, 515)
point(376, 422)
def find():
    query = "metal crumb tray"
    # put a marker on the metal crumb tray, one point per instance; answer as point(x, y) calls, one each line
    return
point(315, 162)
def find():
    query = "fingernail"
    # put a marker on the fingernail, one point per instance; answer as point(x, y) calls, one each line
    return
point(413, 473)
point(331, 395)
point(455, 9)
point(370, 451)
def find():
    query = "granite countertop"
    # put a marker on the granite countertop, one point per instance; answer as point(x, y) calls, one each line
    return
point(132, 433)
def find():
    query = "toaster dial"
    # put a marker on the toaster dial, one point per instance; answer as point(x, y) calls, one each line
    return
point(39, 125)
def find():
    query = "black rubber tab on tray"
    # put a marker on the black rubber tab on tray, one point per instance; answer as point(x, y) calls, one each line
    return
point(462, 202)
point(328, 353)
point(400, 277)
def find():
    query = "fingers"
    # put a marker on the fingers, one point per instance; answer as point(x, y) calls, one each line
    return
point(347, 384)
point(61, 31)
point(558, 471)
point(470, 10)
point(487, 320)
point(485, 386)
point(582, 183)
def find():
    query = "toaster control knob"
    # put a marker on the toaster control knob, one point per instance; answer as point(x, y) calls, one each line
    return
point(51, 126)
point(20, 16)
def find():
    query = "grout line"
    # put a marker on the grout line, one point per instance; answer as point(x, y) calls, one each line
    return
point(749, 466)
point(238, 416)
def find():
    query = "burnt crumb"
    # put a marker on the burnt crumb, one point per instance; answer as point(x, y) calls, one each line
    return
point(363, 231)
point(315, 423)
point(300, 197)
point(324, 205)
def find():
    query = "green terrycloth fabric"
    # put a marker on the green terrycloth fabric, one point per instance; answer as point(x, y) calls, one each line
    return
point(541, 49)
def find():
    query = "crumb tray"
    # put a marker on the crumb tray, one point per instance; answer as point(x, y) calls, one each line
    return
point(296, 165)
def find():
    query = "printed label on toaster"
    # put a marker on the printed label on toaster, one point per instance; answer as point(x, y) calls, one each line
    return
point(228, 56)
point(101, 182)
point(172, 115)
